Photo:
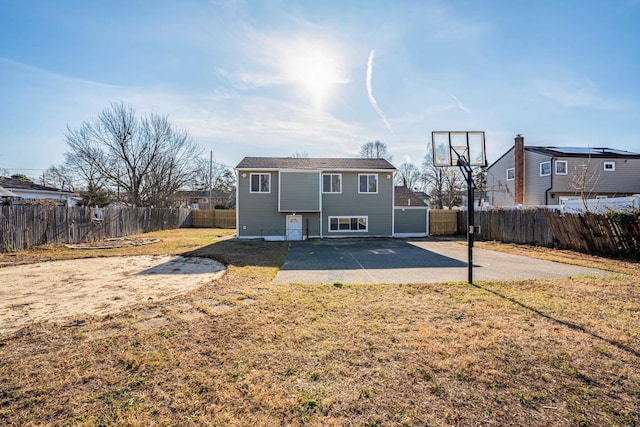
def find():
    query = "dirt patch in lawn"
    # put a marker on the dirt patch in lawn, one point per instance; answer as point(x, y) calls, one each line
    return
point(96, 286)
point(119, 242)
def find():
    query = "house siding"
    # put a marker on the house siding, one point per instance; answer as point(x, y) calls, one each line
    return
point(535, 186)
point(501, 191)
point(377, 207)
point(299, 192)
point(258, 214)
point(624, 180)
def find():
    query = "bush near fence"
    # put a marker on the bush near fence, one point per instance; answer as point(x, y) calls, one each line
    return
point(608, 234)
point(214, 218)
point(26, 226)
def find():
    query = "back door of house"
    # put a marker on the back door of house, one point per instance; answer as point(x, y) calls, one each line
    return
point(294, 227)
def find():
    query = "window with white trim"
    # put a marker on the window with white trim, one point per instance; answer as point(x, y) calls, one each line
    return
point(368, 183)
point(511, 174)
point(260, 183)
point(545, 168)
point(332, 183)
point(348, 223)
point(609, 166)
point(561, 167)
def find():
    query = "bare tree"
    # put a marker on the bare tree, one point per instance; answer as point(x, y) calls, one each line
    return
point(147, 159)
point(300, 155)
point(222, 177)
point(408, 175)
point(59, 177)
point(443, 184)
point(584, 180)
point(375, 150)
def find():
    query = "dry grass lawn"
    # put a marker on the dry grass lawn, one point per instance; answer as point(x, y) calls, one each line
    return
point(247, 352)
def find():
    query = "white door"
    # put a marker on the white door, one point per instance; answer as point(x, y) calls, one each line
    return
point(294, 227)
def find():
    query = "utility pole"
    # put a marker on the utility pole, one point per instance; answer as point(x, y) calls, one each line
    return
point(210, 179)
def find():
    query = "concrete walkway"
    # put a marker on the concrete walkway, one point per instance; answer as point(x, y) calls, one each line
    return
point(421, 261)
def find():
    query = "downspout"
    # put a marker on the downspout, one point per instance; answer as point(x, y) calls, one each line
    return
point(393, 204)
point(320, 196)
point(237, 203)
point(546, 192)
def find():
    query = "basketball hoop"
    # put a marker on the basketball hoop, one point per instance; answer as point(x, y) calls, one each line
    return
point(466, 150)
point(456, 148)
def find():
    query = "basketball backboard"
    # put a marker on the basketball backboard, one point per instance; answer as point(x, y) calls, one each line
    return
point(449, 147)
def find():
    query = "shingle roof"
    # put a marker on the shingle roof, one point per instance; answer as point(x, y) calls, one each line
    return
point(404, 196)
point(16, 184)
point(598, 152)
point(313, 163)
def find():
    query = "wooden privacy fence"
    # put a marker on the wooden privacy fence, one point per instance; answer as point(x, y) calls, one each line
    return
point(608, 234)
point(529, 227)
point(443, 222)
point(25, 226)
point(214, 218)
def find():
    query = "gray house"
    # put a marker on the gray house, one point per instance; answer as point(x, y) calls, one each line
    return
point(284, 198)
point(529, 176)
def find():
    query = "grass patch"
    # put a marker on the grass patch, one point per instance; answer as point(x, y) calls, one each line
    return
point(540, 352)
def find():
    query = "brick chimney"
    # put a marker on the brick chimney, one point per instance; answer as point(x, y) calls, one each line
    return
point(518, 198)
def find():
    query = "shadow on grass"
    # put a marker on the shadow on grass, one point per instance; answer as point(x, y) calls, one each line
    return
point(565, 323)
point(243, 253)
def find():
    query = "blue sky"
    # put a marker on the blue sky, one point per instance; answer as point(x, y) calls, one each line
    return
point(271, 78)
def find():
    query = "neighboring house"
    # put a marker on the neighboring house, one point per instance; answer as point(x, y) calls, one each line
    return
point(200, 199)
point(530, 176)
point(289, 198)
point(411, 213)
point(29, 191)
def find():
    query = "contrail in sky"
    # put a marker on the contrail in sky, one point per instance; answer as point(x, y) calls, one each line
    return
point(372, 99)
point(462, 107)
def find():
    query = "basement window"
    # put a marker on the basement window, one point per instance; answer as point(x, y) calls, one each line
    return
point(348, 223)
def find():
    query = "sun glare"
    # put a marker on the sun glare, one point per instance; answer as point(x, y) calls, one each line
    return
point(317, 70)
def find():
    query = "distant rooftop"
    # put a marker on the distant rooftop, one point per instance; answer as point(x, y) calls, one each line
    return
point(583, 152)
point(404, 196)
point(16, 184)
point(313, 163)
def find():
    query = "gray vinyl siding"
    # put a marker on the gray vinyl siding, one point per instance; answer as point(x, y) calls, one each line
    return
point(377, 207)
point(299, 192)
point(500, 190)
point(535, 186)
point(624, 180)
point(410, 220)
point(258, 212)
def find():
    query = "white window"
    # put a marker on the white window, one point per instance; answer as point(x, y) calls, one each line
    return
point(511, 174)
point(561, 167)
point(609, 166)
point(332, 183)
point(260, 183)
point(545, 168)
point(368, 183)
point(348, 223)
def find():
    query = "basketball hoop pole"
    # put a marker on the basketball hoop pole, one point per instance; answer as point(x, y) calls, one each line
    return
point(465, 167)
